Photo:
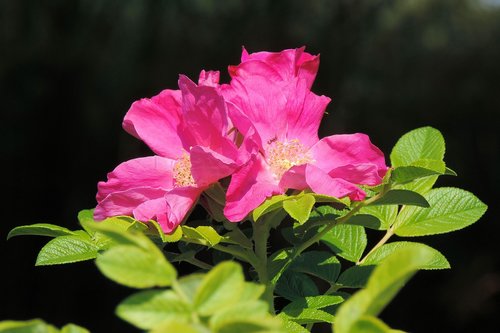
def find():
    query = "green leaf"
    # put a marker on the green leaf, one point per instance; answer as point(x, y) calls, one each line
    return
point(254, 310)
point(299, 207)
point(386, 214)
point(155, 229)
point(406, 174)
point(326, 198)
point(451, 209)
point(307, 316)
point(438, 261)
point(175, 325)
point(370, 324)
point(28, 326)
point(271, 204)
point(294, 285)
point(203, 234)
point(148, 309)
point(189, 284)
point(236, 236)
point(314, 302)
point(386, 280)
point(67, 249)
point(222, 286)
point(321, 264)
point(39, 229)
point(72, 328)
point(450, 172)
point(135, 267)
point(424, 143)
point(277, 263)
point(421, 143)
point(347, 241)
point(355, 276)
point(253, 325)
point(293, 327)
point(365, 220)
point(402, 197)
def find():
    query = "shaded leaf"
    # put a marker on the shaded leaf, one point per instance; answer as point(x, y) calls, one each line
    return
point(402, 197)
point(347, 241)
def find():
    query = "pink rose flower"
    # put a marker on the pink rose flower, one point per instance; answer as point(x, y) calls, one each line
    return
point(270, 103)
point(187, 130)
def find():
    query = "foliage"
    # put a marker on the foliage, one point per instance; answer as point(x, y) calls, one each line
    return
point(218, 299)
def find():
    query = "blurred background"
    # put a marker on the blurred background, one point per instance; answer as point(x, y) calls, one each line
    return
point(69, 70)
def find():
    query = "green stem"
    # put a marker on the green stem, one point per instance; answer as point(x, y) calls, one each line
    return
point(382, 241)
point(199, 263)
point(243, 255)
point(316, 238)
point(260, 237)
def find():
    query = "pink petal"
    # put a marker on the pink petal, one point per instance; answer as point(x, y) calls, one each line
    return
point(179, 201)
point(263, 103)
point(289, 64)
point(208, 166)
point(294, 178)
point(209, 78)
point(304, 112)
point(125, 202)
point(322, 183)
point(249, 187)
point(366, 174)
point(350, 151)
point(155, 121)
point(146, 172)
point(205, 115)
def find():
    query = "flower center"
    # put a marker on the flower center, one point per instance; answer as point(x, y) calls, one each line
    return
point(281, 156)
point(182, 172)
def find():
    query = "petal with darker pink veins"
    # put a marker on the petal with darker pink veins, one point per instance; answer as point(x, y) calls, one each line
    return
point(179, 202)
point(322, 183)
point(250, 186)
point(208, 166)
point(204, 114)
point(145, 172)
point(348, 149)
point(124, 202)
point(294, 178)
point(156, 122)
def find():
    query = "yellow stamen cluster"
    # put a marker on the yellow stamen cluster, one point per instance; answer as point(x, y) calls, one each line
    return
point(182, 172)
point(281, 156)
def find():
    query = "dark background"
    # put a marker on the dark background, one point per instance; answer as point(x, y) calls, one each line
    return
point(69, 70)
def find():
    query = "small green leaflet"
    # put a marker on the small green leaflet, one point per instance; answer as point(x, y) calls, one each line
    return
point(67, 249)
point(347, 241)
point(148, 309)
point(294, 285)
point(386, 280)
point(421, 143)
point(402, 197)
point(424, 143)
point(386, 214)
point(222, 286)
point(451, 209)
point(204, 235)
point(438, 261)
point(136, 262)
point(299, 208)
point(40, 229)
point(321, 264)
